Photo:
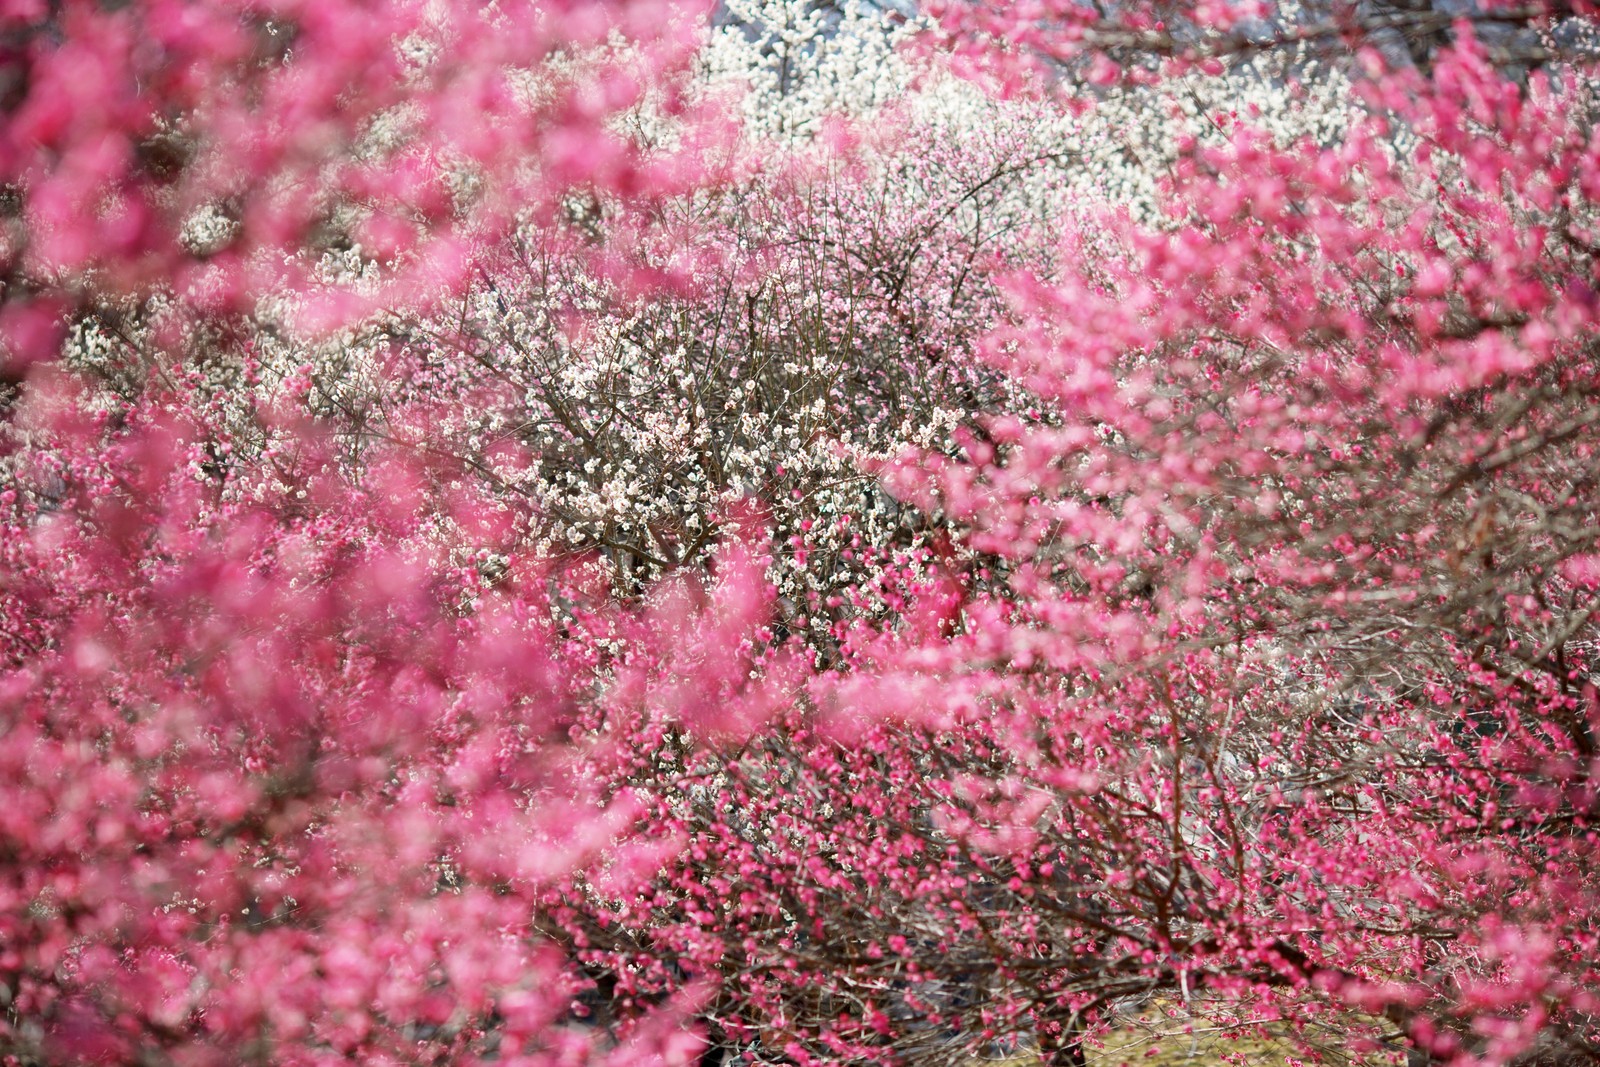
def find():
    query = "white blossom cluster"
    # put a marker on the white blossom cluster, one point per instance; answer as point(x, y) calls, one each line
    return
point(800, 63)
point(642, 436)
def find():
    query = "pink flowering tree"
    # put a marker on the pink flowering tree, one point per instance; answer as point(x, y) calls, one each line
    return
point(1231, 642)
point(294, 739)
point(1262, 680)
point(1290, 645)
point(288, 773)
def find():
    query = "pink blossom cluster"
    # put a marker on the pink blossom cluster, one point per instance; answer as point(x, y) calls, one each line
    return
point(205, 148)
point(272, 789)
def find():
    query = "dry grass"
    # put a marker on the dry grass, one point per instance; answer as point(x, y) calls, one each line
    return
point(1165, 1036)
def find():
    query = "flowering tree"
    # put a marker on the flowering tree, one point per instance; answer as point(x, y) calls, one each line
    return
point(286, 737)
point(828, 322)
point(1294, 623)
point(1268, 686)
point(1222, 629)
point(286, 774)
